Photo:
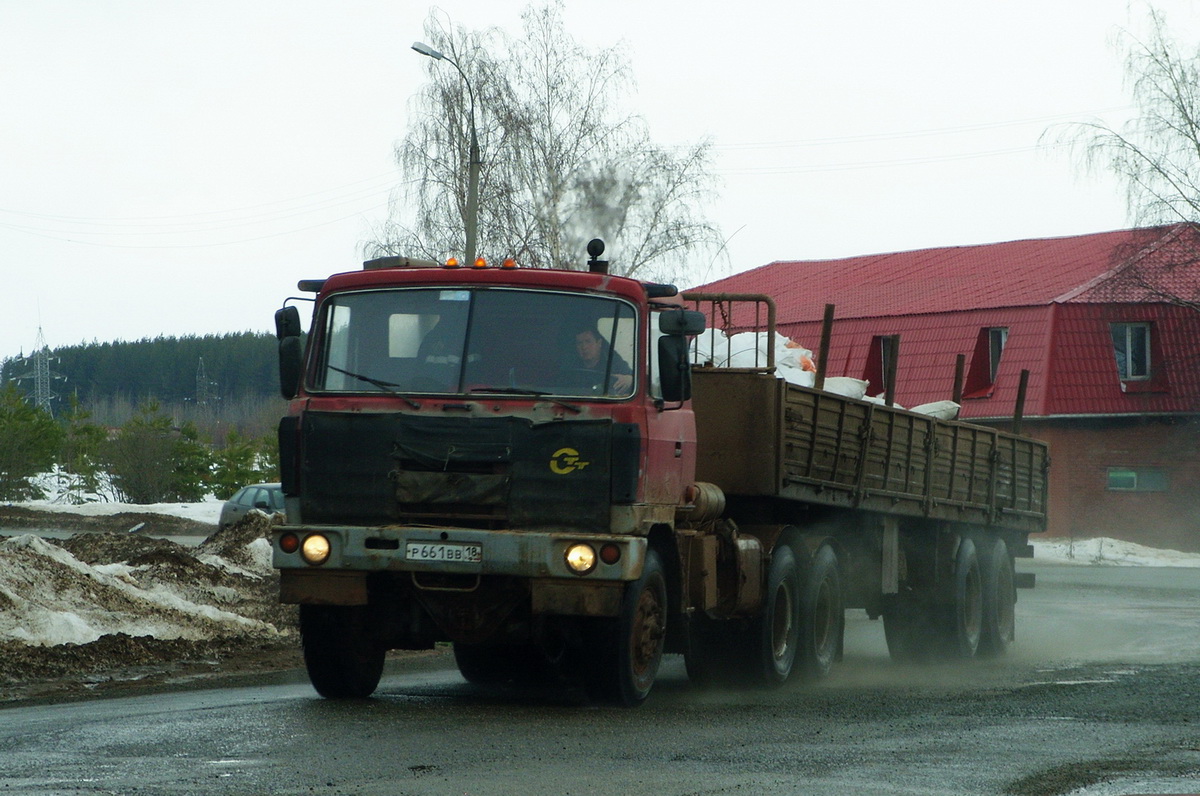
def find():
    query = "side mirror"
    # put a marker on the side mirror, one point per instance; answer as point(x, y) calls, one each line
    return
point(287, 322)
point(291, 363)
point(675, 373)
point(291, 352)
point(681, 322)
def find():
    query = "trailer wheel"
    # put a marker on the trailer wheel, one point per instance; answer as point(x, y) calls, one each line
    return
point(999, 598)
point(906, 628)
point(963, 610)
point(343, 659)
point(625, 653)
point(822, 617)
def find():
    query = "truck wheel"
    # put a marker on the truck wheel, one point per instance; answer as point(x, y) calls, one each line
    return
point(963, 610)
point(343, 660)
point(822, 617)
point(625, 652)
point(486, 664)
point(999, 598)
point(779, 623)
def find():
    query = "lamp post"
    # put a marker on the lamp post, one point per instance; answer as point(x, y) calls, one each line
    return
point(474, 162)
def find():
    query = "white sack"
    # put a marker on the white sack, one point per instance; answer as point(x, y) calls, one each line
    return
point(943, 410)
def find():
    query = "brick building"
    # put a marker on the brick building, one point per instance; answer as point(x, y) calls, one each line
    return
point(1108, 326)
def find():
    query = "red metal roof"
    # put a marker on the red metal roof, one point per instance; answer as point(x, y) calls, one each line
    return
point(1015, 274)
point(1057, 298)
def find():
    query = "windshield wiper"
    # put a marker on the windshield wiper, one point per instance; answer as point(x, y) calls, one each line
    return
point(386, 386)
point(525, 391)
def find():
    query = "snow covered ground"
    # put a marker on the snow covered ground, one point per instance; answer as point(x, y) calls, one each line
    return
point(76, 590)
point(1109, 552)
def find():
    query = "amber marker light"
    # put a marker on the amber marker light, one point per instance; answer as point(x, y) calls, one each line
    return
point(452, 262)
point(315, 549)
point(581, 558)
point(480, 262)
point(289, 543)
point(510, 263)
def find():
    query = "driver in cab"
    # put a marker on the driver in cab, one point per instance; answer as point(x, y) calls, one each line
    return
point(595, 359)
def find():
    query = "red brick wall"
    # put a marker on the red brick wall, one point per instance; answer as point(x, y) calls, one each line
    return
point(1082, 506)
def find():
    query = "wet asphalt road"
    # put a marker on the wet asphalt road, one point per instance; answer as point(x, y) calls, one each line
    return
point(1100, 696)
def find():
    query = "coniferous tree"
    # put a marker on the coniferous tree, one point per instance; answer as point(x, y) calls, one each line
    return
point(29, 441)
point(79, 459)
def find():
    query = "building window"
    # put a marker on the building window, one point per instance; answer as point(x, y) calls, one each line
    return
point(997, 337)
point(884, 349)
point(1131, 346)
point(1137, 479)
point(985, 362)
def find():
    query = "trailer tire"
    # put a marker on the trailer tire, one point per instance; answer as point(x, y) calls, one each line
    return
point(343, 658)
point(625, 652)
point(962, 624)
point(906, 629)
point(999, 598)
point(822, 616)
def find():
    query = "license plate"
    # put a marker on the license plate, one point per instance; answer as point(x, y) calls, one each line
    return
point(423, 551)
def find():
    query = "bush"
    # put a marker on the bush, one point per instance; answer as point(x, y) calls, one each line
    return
point(152, 461)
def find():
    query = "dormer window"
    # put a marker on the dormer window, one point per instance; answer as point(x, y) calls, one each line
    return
point(997, 337)
point(1131, 347)
point(985, 362)
point(879, 359)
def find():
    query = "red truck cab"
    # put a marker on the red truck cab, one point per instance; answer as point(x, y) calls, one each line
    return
point(473, 454)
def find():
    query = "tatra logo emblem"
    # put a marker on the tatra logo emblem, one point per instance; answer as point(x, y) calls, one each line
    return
point(566, 460)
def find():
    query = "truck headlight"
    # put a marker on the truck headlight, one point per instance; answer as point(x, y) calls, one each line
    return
point(315, 549)
point(581, 558)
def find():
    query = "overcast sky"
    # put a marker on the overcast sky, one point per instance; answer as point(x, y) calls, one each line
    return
point(175, 167)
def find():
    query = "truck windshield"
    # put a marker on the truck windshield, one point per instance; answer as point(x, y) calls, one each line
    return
point(467, 341)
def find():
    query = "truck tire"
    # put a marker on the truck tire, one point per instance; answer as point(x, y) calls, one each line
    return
point(624, 653)
point(778, 641)
point(999, 598)
point(343, 660)
point(487, 664)
point(962, 623)
point(822, 617)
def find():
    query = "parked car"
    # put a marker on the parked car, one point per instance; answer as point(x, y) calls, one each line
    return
point(264, 497)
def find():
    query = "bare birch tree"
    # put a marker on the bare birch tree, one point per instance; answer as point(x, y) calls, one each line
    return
point(1156, 154)
point(562, 163)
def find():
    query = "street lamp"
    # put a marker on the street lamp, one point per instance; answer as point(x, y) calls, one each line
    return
point(474, 162)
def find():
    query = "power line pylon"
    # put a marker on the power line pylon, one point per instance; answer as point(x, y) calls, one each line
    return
point(43, 377)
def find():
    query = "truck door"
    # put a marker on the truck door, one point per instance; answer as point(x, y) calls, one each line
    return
point(670, 436)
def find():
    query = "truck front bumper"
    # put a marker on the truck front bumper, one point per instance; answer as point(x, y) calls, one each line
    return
point(465, 551)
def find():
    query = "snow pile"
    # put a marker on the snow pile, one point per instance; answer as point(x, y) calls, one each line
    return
point(1104, 551)
point(104, 584)
point(206, 511)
